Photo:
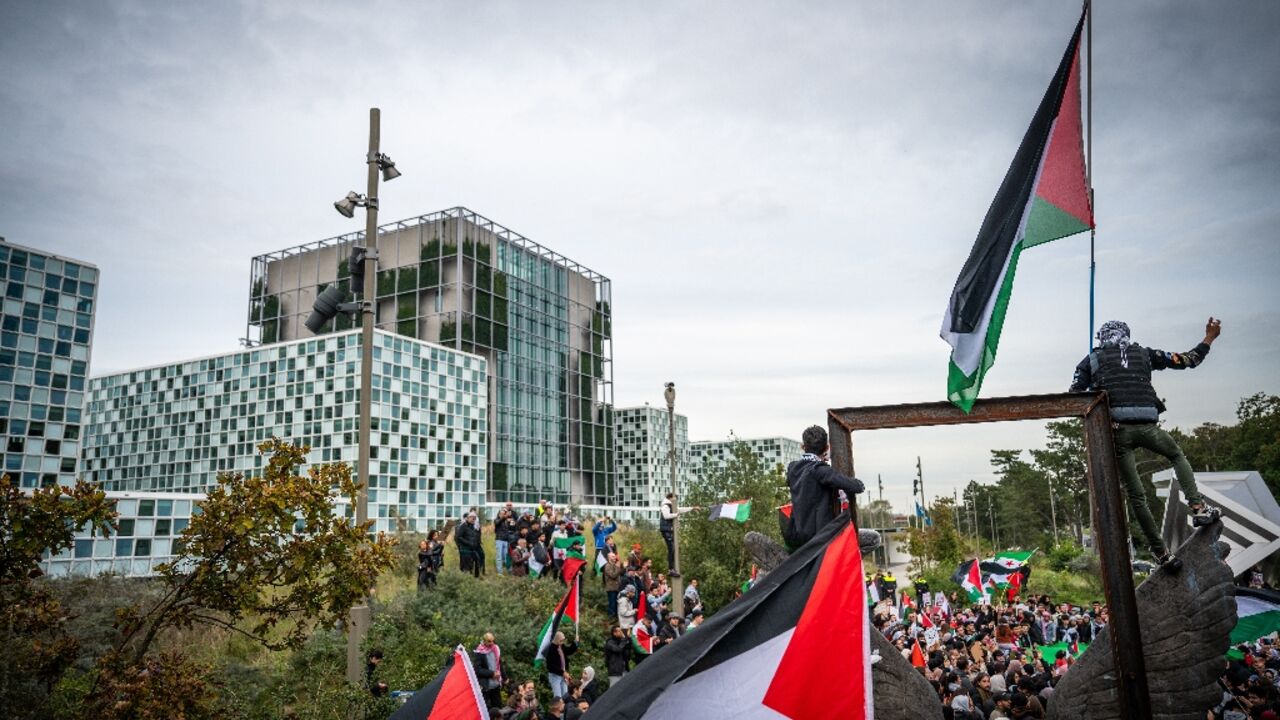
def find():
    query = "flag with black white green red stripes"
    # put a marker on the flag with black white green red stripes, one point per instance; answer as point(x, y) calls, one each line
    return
point(1042, 198)
point(739, 510)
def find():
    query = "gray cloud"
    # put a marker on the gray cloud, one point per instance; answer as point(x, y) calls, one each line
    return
point(782, 193)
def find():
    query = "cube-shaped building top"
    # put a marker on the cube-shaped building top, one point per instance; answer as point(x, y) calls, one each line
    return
point(461, 280)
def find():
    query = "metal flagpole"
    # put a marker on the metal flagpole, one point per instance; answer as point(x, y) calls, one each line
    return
point(1088, 168)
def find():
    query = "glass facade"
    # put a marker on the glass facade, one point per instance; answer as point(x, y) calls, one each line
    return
point(173, 428)
point(148, 528)
point(644, 460)
point(775, 452)
point(46, 331)
point(461, 280)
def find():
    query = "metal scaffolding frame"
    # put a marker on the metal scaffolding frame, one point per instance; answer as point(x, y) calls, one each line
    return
point(1111, 529)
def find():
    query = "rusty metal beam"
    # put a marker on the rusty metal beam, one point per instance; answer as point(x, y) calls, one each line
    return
point(1111, 532)
point(1028, 407)
point(842, 459)
point(1111, 529)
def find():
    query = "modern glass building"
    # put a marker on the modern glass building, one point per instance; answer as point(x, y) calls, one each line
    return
point(775, 452)
point(644, 460)
point(542, 321)
point(172, 428)
point(148, 525)
point(46, 332)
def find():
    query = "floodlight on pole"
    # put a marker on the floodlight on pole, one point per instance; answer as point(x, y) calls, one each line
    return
point(387, 166)
point(326, 307)
point(347, 205)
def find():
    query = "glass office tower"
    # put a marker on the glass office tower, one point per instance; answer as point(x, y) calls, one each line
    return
point(459, 279)
point(45, 338)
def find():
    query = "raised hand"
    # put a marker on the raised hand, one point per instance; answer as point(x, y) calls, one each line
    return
point(1212, 330)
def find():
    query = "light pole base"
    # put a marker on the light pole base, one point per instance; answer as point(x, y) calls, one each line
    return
point(357, 630)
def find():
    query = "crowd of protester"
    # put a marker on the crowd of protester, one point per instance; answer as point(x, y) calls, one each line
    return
point(986, 662)
point(990, 662)
point(638, 602)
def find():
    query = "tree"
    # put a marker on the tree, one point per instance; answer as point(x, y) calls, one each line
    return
point(37, 648)
point(265, 557)
point(712, 550)
point(1063, 460)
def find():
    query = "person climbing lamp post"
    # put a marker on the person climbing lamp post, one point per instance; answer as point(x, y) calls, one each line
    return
point(677, 583)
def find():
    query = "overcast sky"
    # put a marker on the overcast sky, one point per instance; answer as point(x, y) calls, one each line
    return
point(782, 193)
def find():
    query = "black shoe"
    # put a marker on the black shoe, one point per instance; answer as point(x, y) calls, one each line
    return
point(1205, 515)
point(674, 574)
point(1169, 562)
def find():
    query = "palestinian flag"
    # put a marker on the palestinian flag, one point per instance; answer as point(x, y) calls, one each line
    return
point(641, 639)
point(566, 608)
point(873, 593)
point(806, 619)
point(574, 560)
point(602, 559)
point(453, 695)
point(917, 655)
point(905, 605)
point(739, 510)
point(1257, 614)
point(973, 584)
point(1043, 197)
point(535, 567)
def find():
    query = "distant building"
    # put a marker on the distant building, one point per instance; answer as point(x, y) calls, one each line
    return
point(543, 322)
point(774, 452)
point(643, 436)
point(173, 428)
point(45, 342)
point(148, 524)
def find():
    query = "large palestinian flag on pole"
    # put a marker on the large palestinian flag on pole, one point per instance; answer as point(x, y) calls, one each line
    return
point(759, 657)
point(566, 608)
point(453, 695)
point(1257, 613)
point(1043, 197)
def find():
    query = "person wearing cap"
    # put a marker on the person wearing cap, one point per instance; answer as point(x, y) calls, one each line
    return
point(815, 488)
point(627, 608)
point(1123, 369)
point(635, 560)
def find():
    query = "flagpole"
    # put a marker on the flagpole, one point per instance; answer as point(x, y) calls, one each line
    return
point(1088, 171)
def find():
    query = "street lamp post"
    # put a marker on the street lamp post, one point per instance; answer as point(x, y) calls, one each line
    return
point(677, 582)
point(358, 626)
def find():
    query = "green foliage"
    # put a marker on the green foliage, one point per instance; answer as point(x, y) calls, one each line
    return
point(407, 279)
point(269, 550)
point(38, 649)
point(428, 274)
point(1251, 444)
point(386, 286)
point(418, 631)
point(712, 551)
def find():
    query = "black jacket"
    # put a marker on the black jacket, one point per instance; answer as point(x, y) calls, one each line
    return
point(1129, 390)
point(813, 486)
point(467, 537)
point(558, 657)
point(617, 655)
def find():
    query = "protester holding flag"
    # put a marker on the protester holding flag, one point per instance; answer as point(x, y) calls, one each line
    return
point(557, 663)
point(600, 532)
point(814, 487)
point(617, 654)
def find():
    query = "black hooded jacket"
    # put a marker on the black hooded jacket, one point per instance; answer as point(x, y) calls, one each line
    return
point(813, 486)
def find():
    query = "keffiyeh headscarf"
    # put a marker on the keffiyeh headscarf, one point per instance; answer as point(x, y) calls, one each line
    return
point(1116, 333)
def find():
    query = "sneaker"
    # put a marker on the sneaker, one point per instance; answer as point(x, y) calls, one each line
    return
point(1204, 514)
point(674, 574)
point(875, 657)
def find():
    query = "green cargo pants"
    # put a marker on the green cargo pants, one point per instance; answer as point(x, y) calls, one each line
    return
point(1130, 437)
